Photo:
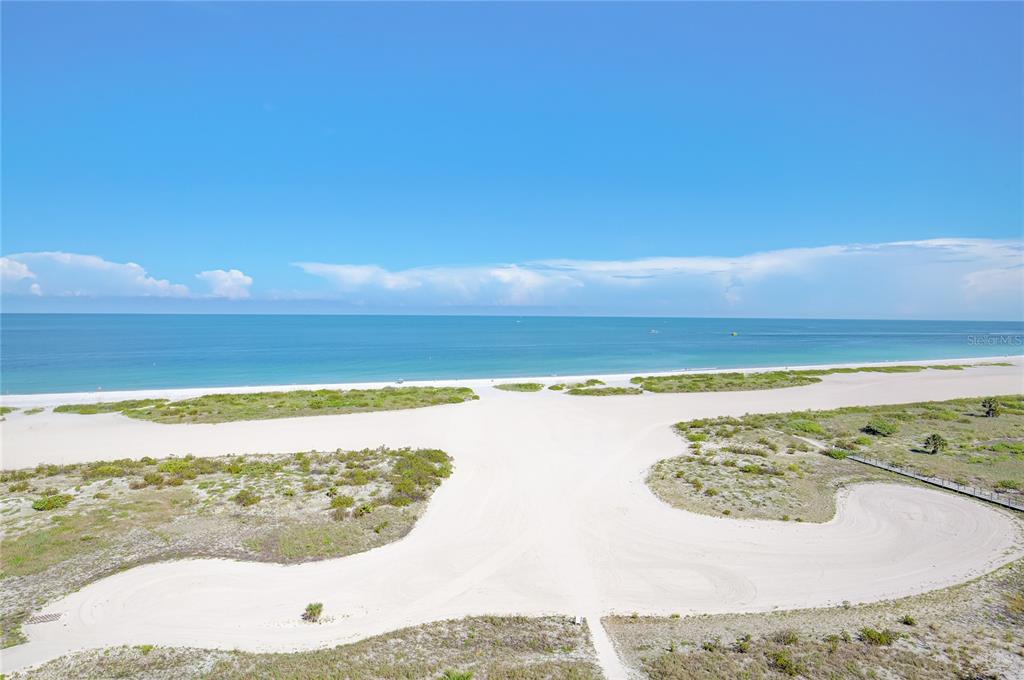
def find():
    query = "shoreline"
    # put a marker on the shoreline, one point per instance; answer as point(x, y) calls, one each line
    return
point(47, 399)
point(546, 511)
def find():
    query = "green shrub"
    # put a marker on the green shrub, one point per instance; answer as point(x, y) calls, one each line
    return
point(882, 638)
point(245, 498)
point(781, 661)
point(457, 675)
point(908, 620)
point(1012, 484)
point(806, 426)
point(313, 612)
point(153, 478)
point(52, 502)
point(342, 501)
point(838, 454)
point(101, 470)
point(18, 486)
point(712, 645)
point(786, 637)
point(881, 427)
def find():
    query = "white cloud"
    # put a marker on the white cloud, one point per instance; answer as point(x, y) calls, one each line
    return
point(12, 270)
point(231, 284)
point(935, 278)
point(943, 278)
point(60, 274)
point(72, 274)
point(493, 284)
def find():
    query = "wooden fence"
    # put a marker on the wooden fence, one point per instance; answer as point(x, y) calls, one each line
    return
point(1005, 500)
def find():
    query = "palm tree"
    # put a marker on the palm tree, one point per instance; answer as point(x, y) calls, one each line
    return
point(991, 406)
point(934, 443)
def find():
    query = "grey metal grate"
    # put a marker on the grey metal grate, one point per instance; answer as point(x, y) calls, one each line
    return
point(44, 618)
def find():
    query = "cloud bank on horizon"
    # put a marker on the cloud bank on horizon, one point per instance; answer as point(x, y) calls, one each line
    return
point(935, 278)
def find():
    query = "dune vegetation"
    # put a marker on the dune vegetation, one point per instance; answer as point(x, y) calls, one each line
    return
point(972, 630)
point(484, 647)
point(583, 384)
point(221, 408)
point(520, 387)
point(64, 526)
point(603, 391)
point(788, 466)
point(767, 380)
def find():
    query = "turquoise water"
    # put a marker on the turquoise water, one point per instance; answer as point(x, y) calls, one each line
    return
point(81, 352)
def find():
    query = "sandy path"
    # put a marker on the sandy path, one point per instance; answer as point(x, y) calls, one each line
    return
point(547, 513)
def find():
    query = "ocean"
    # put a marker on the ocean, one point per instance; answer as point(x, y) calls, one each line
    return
point(42, 353)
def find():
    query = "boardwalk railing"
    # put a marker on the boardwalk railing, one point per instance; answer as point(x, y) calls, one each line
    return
point(1005, 500)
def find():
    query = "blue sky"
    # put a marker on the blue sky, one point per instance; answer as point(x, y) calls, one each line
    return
point(803, 159)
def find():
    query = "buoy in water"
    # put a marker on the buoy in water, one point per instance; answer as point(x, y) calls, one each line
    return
point(733, 334)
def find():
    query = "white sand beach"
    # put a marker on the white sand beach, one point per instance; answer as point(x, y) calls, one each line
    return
point(547, 512)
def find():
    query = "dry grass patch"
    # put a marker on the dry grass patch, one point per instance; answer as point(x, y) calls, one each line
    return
point(964, 632)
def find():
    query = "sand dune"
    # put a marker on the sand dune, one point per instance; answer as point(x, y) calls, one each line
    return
point(547, 512)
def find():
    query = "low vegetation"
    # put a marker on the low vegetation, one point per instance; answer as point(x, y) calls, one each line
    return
point(482, 648)
point(519, 387)
point(971, 631)
point(788, 466)
point(313, 612)
point(767, 380)
point(221, 408)
point(64, 526)
point(592, 382)
point(603, 391)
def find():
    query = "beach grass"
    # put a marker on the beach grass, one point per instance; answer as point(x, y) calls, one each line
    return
point(498, 648)
point(603, 391)
point(584, 384)
point(221, 408)
point(768, 380)
point(520, 387)
point(788, 466)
